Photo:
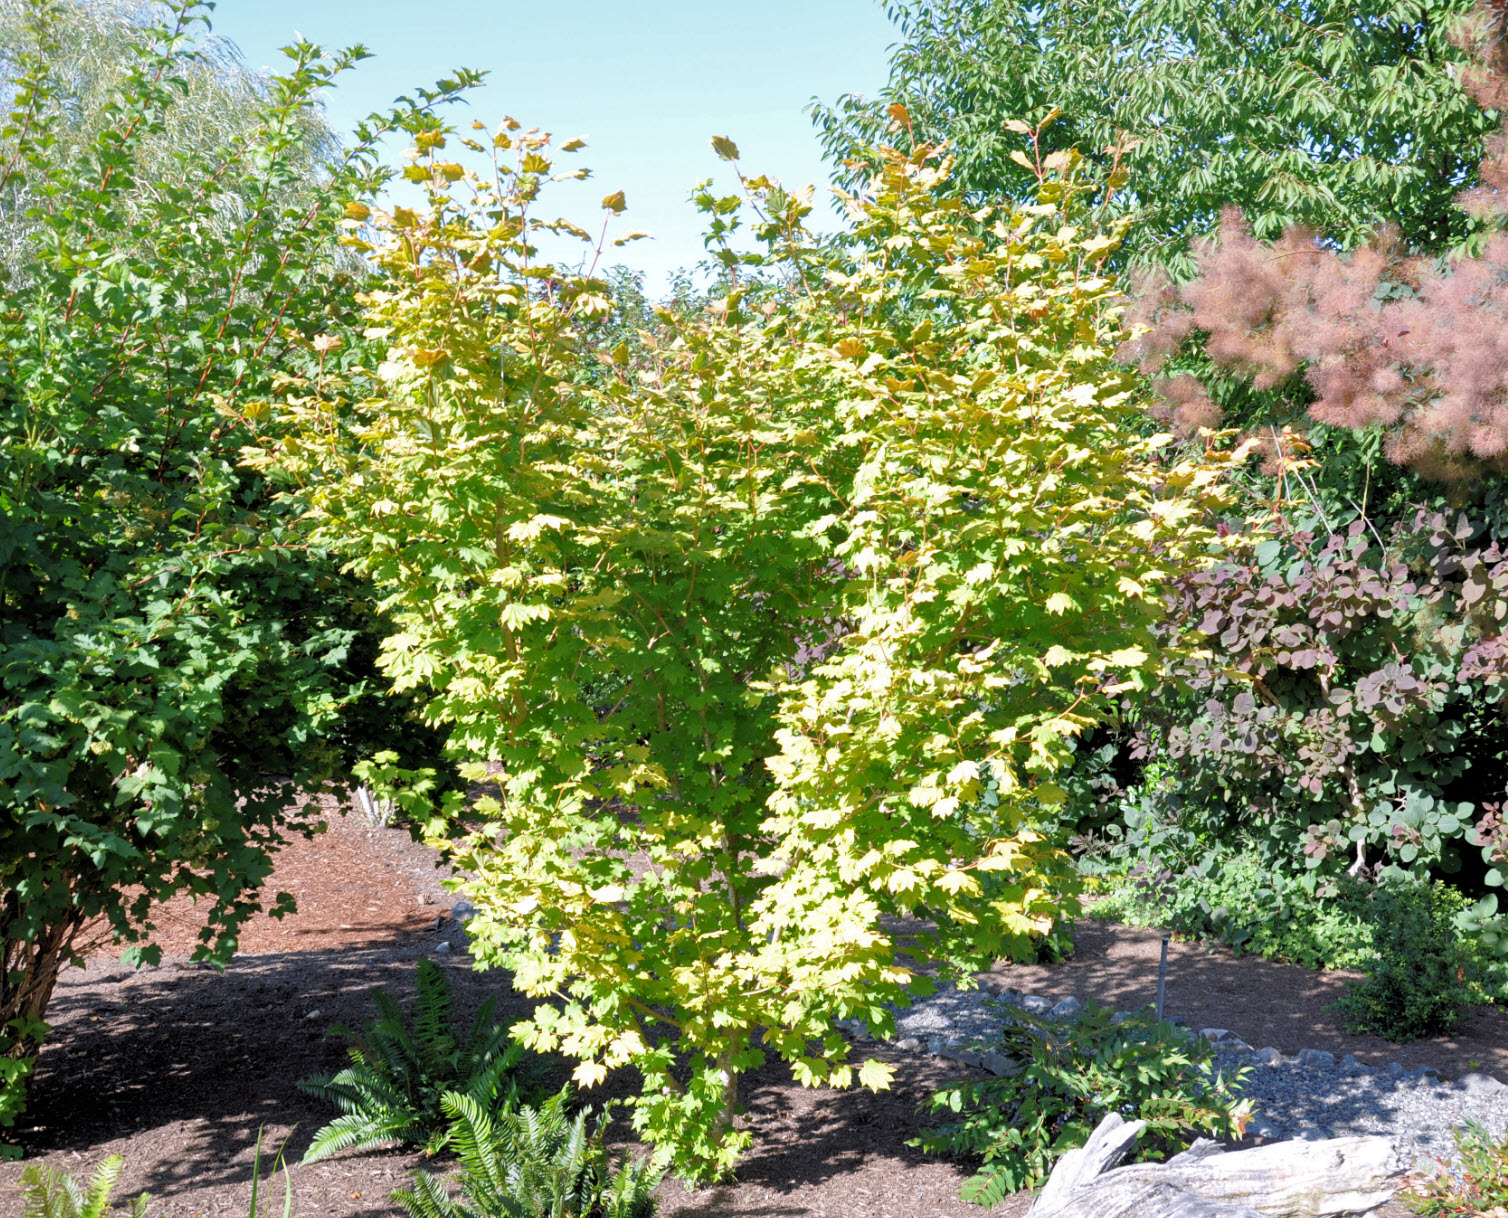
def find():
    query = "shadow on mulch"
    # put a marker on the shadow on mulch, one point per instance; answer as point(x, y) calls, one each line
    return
point(179, 1067)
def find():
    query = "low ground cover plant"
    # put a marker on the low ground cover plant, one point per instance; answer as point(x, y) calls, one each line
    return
point(1074, 1073)
point(530, 1162)
point(47, 1192)
point(1476, 1188)
point(403, 1068)
point(1414, 939)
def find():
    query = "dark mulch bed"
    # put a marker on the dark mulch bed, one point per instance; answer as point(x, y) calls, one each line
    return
point(1264, 1003)
point(178, 1067)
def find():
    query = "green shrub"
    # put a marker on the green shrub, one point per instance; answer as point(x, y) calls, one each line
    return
point(1480, 1189)
point(1416, 982)
point(533, 1163)
point(1249, 907)
point(17, 1039)
point(178, 662)
point(1248, 903)
point(1073, 1075)
point(393, 1090)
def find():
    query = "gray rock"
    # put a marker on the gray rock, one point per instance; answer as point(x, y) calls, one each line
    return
point(910, 1044)
point(1349, 1064)
point(1234, 1044)
point(463, 911)
point(1260, 1127)
point(996, 1063)
point(1316, 1059)
point(1268, 1057)
point(1395, 1069)
point(1120, 1017)
point(314, 1014)
point(1214, 1034)
point(442, 947)
point(939, 1046)
point(1036, 1004)
point(1480, 1084)
point(1068, 1008)
point(999, 1064)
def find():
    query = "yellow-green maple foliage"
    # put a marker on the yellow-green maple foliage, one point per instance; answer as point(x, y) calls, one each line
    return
point(608, 564)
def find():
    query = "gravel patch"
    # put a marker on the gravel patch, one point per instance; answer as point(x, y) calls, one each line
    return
point(1307, 1096)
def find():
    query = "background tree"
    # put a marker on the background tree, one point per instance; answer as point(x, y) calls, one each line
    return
point(175, 661)
point(1337, 116)
point(1370, 622)
point(93, 50)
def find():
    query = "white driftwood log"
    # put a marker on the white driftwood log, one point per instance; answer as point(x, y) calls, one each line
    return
point(1281, 1180)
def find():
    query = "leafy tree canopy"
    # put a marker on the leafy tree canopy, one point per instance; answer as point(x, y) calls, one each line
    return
point(1335, 115)
point(780, 629)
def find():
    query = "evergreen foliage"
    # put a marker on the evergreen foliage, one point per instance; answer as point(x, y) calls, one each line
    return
point(533, 1163)
point(401, 1070)
point(47, 1192)
point(1416, 984)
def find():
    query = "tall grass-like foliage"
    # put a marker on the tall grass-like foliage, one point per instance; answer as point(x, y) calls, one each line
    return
point(616, 570)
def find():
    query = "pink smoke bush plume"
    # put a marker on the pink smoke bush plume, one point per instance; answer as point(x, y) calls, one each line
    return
point(1383, 337)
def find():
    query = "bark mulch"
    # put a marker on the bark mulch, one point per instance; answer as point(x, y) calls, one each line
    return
point(179, 1067)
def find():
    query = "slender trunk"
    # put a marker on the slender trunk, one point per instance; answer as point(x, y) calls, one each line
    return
point(730, 1089)
point(31, 968)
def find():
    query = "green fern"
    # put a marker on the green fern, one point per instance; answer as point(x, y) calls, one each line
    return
point(47, 1192)
point(533, 1163)
point(399, 1072)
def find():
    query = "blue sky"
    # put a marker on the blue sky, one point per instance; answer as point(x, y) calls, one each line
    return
point(649, 82)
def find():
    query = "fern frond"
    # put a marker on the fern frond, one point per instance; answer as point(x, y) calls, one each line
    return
point(630, 1192)
point(401, 1066)
point(477, 1139)
point(359, 1131)
point(485, 1031)
point(96, 1202)
point(431, 1003)
point(47, 1192)
point(427, 1198)
point(42, 1192)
